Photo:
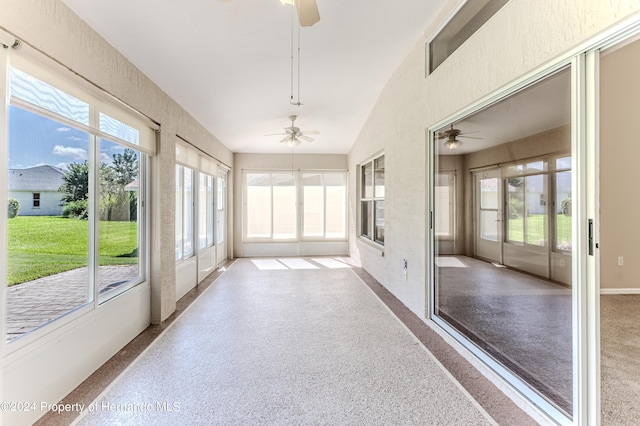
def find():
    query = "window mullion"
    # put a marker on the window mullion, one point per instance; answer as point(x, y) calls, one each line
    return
point(94, 216)
point(271, 204)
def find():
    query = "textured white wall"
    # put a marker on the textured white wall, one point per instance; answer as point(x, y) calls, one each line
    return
point(52, 28)
point(521, 37)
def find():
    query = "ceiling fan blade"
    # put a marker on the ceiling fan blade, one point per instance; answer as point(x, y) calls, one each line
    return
point(305, 138)
point(275, 134)
point(468, 137)
point(307, 12)
point(311, 132)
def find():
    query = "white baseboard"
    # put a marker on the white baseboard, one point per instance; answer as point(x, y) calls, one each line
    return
point(620, 291)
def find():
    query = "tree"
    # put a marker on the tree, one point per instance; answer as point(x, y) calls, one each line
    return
point(125, 166)
point(75, 182)
point(115, 202)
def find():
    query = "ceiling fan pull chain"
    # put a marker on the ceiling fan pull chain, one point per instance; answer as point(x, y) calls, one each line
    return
point(291, 101)
point(299, 67)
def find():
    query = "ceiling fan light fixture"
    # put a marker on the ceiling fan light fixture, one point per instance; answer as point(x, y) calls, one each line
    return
point(293, 142)
point(452, 144)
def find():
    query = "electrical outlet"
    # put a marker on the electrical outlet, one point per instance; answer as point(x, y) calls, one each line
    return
point(620, 261)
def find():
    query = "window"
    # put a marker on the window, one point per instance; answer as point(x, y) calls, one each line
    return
point(272, 210)
point(372, 200)
point(527, 203)
point(467, 20)
point(220, 213)
point(444, 220)
point(271, 206)
point(324, 207)
point(562, 205)
point(184, 212)
point(90, 156)
point(205, 210)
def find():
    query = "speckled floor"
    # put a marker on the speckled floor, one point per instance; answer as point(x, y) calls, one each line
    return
point(295, 345)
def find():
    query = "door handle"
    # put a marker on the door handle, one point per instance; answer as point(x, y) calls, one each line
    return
point(590, 237)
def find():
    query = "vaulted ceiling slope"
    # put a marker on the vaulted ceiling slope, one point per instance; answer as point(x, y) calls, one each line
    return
point(228, 62)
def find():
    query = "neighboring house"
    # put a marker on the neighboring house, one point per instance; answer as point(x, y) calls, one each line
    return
point(36, 188)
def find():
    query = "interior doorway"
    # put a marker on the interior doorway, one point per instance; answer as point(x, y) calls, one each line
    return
point(488, 220)
point(619, 109)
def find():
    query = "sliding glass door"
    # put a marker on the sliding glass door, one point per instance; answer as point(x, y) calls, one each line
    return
point(501, 288)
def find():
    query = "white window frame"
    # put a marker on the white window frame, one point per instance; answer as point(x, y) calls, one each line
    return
point(451, 211)
point(362, 198)
point(193, 231)
point(299, 188)
point(324, 236)
point(41, 68)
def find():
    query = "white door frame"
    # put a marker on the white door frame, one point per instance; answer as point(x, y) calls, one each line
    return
point(221, 216)
point(488, 249)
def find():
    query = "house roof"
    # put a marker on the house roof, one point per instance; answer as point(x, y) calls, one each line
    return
point(39, 178)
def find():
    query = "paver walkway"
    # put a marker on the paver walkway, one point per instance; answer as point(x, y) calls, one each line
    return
point(35, 303)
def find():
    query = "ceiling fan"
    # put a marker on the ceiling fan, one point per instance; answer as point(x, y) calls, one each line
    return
point(293, 135)
point(451, 136)
point(307, 11)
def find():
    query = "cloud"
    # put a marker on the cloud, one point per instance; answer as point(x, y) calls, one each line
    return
point(64, 129)
point(104, 158)
point(67, 151)
point(74, 138)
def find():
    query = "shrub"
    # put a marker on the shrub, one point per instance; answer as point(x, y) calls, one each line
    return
point(78, 209)
point(516, 208)
point(565, 206)
point(14, 206)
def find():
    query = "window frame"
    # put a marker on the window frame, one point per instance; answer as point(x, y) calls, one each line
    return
point(372, 201)
point(36, 198)
point(323, 185)
point(184, 256)
point(34, 66)
point(450, 235)
point(298, 178)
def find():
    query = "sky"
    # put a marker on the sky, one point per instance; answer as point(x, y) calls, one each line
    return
point(35, 140)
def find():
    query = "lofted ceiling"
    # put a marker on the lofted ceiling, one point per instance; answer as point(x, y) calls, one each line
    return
point(228, 62)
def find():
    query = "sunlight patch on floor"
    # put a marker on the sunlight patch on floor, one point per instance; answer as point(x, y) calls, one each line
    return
point(449, 262)
point(330, 263)
point(295, 263)
point(268, 264)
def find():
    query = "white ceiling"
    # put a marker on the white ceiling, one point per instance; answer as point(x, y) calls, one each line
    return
point(228, 63)
point(542, 106)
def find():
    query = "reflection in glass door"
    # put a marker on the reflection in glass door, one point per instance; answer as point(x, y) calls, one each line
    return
point(489, 215)
point(491, 287)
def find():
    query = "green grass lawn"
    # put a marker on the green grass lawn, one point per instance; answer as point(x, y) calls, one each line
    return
point(536, 234)
point(39, 246)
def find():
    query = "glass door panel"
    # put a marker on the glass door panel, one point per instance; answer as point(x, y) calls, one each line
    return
point(519, 323)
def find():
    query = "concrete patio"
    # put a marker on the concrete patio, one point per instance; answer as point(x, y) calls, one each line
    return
point(35, 303)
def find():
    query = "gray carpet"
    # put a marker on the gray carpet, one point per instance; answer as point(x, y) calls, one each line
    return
point(287, 346)
point(620, 361)
point(521, 321)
